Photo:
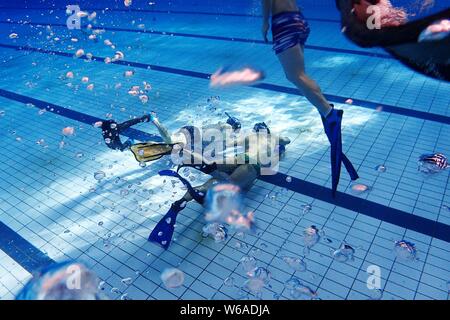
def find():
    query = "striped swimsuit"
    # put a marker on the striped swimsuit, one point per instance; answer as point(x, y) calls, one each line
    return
point(288, 30)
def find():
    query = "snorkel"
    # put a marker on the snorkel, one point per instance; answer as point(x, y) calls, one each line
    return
point(233, 122)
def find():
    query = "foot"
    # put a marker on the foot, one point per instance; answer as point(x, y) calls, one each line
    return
point(332, 125)
point(163, 232)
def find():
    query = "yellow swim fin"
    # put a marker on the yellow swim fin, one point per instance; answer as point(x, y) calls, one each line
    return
point(150, 151)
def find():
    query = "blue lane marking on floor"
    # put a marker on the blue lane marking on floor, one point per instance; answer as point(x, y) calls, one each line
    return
point(397, 217)
point(75, 115)
point(219, 38)
point(225, 14)
point(265, 86)
point(21, 251)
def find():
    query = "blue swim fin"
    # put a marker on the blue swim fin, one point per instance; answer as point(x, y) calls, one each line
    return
point(332, 125)
point(163, 232)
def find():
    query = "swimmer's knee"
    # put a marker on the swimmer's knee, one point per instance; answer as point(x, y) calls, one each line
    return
point(298, 79)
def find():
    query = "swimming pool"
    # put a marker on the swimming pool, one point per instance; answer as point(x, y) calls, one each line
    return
point(53, 209)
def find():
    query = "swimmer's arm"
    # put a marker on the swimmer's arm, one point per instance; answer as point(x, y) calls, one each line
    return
point(162, 131)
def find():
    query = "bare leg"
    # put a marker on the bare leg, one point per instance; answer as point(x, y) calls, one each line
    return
point(293, 64)
point(244, 176)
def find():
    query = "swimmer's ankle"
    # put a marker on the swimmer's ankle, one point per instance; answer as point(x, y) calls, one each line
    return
point(328, 112)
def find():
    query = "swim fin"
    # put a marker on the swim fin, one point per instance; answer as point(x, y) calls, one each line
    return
point(163, 232)
point(197, 195)
point(150, 151)
point(332, 125)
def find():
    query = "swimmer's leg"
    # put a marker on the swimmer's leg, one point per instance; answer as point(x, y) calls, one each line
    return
point(244, 176)
point(293, 64)
point(127, 124)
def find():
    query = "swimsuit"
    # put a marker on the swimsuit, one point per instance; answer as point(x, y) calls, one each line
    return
point(288, 30)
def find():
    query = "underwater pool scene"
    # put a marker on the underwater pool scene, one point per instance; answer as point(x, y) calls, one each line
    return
point(101, 103)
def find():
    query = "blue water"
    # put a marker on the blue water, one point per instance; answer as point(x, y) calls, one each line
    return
point(53, 209)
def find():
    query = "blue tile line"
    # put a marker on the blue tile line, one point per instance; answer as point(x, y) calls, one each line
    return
point(75, 115)
point(397, 217)
point(21, 251)
point(264, 86)
point(225, 14)
point(220, 38)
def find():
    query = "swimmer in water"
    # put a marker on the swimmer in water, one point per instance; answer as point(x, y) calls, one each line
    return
point(290, 30)
point(422, 44)
point(240, 167)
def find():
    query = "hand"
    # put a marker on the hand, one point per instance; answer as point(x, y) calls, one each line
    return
point(153, 117)
point(265, 30)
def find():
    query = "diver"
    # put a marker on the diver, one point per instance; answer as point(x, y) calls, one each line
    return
point(240, 167)
point(290, 30)
point(422, 44)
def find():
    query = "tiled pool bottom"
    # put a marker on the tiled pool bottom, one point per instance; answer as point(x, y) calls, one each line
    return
point(56, 209)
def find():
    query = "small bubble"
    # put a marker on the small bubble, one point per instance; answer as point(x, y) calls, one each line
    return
point(125, 297)
point(100, 223)
point(127, 281)
point(115, 290)
point(99, 175)
point(288, 179)
point(360, 188)
point(380, 168)
point(306, 208)
point(172, 278)
point(229, 282)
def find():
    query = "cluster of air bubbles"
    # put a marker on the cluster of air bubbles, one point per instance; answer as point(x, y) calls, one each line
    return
point(405, 250)
point(248, 264)
point(224, 205)
point(344, 253)
point(172, 278)
point(311, 235)
point(295, 263)
point(217, 231)
point(305, 208)
point(258, 279)
point(52, 284)
point(430, 164)
point(298, 290)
